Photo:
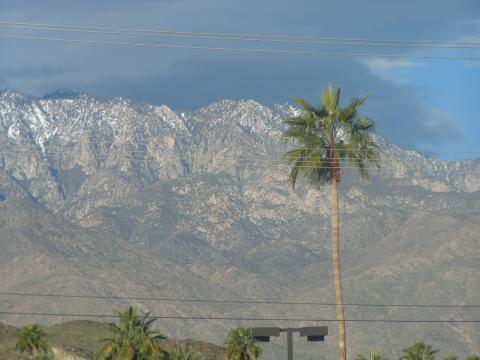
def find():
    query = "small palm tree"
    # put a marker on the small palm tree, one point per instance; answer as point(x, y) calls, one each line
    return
point(372, 356)
point(31, 340)
point(179, 354)
point(240, 345)
point(419, 351)
point(328, 138)
point(132, 338)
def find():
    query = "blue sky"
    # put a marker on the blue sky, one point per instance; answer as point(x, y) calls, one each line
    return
point(428, 105)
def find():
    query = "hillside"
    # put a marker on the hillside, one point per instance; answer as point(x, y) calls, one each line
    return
point(81, 338)
point(115, 198)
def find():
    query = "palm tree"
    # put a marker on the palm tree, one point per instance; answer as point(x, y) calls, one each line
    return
point(178, 354)
point(451, 357)
point(473, 357)
point(330, 137)
point(132, 338)
point(31, 340)
point(372, 356)
point(240, 345)
point(419, 351)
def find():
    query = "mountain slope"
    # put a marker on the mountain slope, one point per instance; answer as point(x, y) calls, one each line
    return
point(111, 197)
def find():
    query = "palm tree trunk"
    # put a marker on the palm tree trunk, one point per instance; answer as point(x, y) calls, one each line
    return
point(337, 278)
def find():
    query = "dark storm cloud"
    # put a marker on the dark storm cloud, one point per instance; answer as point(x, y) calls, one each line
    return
point(25, 72)
point(187, 85)
point(189, 79)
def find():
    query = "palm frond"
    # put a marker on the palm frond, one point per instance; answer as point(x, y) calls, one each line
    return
point(309, 108)
point(132, 338)
point(304, 105)
point(328, 137)
point(350, 112)
point(331, 99)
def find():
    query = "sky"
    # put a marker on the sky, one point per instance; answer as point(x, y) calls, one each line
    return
point(426, 105)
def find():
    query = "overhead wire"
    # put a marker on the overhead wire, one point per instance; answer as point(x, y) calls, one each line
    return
point(287, 40)
point(228, 35)
point(239, 161)
point(229, 301)
point(118, 142)
point(244, 50)
point(115, 144)
point(231, 318)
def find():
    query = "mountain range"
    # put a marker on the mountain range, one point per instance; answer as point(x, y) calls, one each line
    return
point(112, 198)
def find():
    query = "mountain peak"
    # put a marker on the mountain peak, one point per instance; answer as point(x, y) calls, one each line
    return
point(62, 94)
point(14, 95)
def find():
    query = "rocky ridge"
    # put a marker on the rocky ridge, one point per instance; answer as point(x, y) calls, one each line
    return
point(112, 197)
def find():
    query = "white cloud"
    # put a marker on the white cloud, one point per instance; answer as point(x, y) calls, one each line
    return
point(476, 23)
point(442, 125)
point(385, 68)
point(473, 38)
point(470, 39)
point(381, 64)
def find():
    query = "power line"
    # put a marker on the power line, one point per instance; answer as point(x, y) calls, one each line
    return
point(244, 50)
point(171, 34)
point(346, 165)
point(228, 318)
point(259, 157)
point(261, 163)
point(227, 301)
point(228, 35)
point(115, 144)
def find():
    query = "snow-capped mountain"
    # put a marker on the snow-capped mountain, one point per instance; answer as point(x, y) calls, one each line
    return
point(113, 197)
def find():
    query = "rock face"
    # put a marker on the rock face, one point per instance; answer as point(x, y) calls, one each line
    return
point(111, 197)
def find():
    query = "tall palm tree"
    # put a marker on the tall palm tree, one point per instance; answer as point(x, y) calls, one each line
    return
point(31, 340)
point(419, 351)
point(132, 338)
point(329, 137)
point(240, 345)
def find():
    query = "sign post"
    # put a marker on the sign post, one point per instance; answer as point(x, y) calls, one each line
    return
point(315, 333)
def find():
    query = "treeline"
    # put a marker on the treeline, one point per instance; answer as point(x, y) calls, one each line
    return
point(418, 351)
point(132, 338)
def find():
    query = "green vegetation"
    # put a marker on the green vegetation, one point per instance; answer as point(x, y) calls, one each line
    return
point(205, 350)
point(240, 345)
point(82, 339)
point(81, 336)
point(419, 351)
point(372, 356)
point(31, 341)
point(177, 353)
point(132, 339)
point(328, 138)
